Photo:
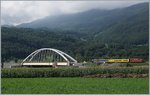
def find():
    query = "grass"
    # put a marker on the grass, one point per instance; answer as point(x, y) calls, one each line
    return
point(74, 85)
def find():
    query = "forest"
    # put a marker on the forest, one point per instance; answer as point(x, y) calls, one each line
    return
point(17, 43)
point(118, 33)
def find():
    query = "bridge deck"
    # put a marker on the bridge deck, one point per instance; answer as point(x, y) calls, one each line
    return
point(45, 64)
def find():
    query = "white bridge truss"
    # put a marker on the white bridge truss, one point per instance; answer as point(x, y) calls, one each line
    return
point(48, 57)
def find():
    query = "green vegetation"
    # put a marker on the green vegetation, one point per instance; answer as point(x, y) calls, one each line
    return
point(17, 43)
point(138, 64)
point(75, 86)
point(70, 72)
point(119, 33)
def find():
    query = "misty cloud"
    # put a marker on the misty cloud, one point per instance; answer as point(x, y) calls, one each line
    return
point(16, 12)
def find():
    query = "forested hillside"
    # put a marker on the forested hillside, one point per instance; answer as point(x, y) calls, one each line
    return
point(118, 33)
point(92, 21)
point(17, 43)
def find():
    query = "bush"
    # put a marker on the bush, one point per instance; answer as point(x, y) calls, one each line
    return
point(69, 72)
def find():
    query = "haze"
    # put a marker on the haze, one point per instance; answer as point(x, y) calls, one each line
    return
point(17, 12)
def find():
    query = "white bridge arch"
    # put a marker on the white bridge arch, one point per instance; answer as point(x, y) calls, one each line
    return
point(48, 57)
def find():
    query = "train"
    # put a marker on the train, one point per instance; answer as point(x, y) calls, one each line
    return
point(131, 60)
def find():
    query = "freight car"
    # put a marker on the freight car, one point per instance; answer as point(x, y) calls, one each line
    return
point(99, 60)
point(117, 60)
point(136, 60)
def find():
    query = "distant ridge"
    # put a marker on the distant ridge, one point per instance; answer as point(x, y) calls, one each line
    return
point(94, 20)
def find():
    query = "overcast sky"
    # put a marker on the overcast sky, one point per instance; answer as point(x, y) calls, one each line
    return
point(16, 12)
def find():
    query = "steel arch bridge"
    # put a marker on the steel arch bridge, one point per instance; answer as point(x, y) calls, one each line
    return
point(48, 57)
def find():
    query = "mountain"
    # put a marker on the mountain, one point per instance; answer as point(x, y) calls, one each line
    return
point(118, 33)
point(132, 28)
point(94, 20)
